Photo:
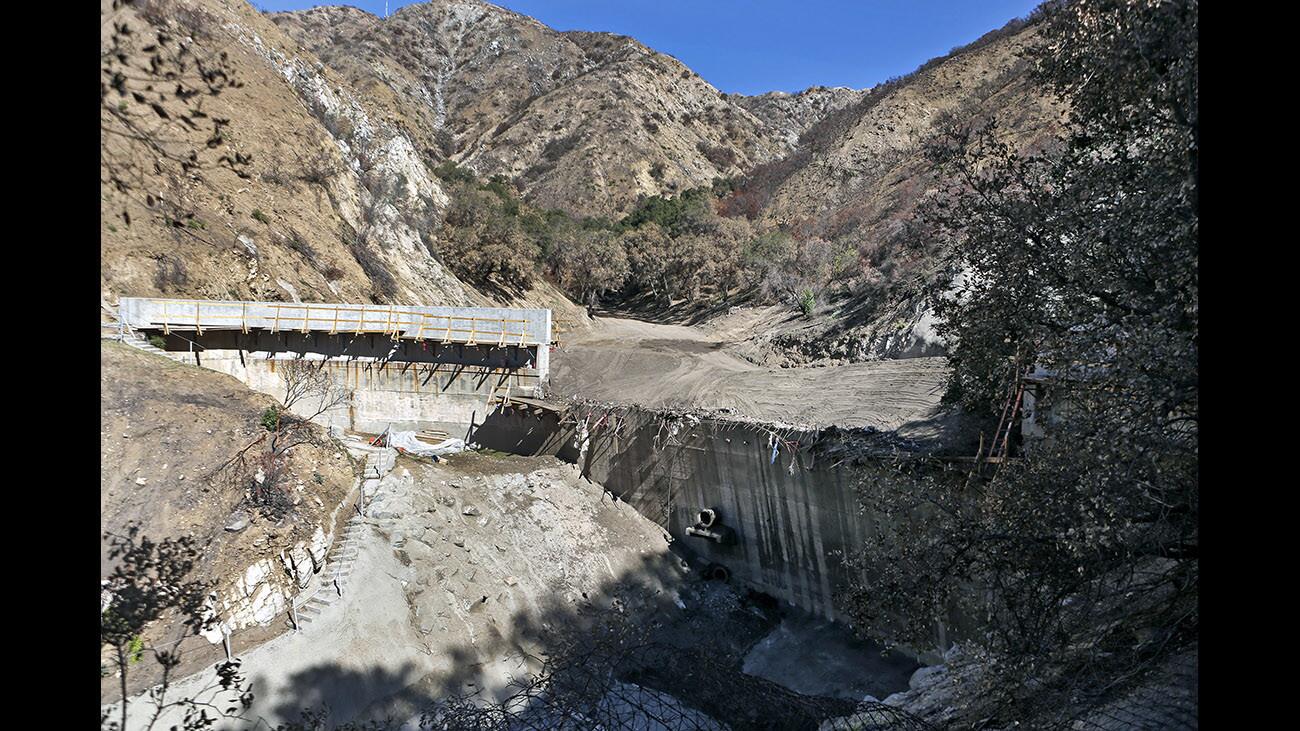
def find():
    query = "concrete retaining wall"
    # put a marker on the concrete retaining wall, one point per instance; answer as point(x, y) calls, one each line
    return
point(788, 524)
point(405, 396)
point(791, 526)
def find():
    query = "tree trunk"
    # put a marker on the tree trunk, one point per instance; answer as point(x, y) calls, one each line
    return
point(121, 671)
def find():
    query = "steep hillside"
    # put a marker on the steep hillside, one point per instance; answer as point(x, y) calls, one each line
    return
point(859, 173)
point(585, 122)
point(308, 190)
point(851, 178)
point(790, 115)
point(309, 207)
point(171, 437)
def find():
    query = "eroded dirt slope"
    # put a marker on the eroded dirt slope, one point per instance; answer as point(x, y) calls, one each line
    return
point(166, 430)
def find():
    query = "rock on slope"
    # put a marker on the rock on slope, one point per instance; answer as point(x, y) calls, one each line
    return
point(583, 121)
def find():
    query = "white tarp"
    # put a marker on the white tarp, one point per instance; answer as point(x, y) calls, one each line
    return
point(406, 441)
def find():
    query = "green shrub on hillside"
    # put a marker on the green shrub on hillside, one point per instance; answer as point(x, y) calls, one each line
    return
point(135, 650)
point(672, 247)
point(807, 301)
point(271, 418)
point(450, 172)
point(674, 214)
point(483, 238)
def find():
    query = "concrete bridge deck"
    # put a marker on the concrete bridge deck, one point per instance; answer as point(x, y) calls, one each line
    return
point(498, 326)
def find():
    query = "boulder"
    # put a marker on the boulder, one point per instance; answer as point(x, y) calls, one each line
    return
point(927, 676)
point(237, 522)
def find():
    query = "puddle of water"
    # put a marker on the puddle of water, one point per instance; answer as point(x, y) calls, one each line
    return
point(815, 656)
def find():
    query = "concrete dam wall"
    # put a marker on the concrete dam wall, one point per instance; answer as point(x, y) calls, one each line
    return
point(406, 396)
point(789, 514)
point(787, 523)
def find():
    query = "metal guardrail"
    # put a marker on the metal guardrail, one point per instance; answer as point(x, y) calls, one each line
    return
point(340, 318)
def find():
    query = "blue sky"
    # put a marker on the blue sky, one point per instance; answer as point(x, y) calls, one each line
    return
point(752, 46)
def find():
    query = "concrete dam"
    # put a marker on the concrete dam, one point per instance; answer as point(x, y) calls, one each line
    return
point(768, 507)
point(409, 368)
point(756, 504)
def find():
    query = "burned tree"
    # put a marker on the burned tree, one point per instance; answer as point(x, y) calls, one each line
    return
point(310, 383)
point(261, 468)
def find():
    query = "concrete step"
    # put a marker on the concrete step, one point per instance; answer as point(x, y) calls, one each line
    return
point(309, 611)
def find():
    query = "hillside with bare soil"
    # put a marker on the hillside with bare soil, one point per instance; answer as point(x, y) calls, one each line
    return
point(858, 175)
point(321, 173)
point(171, 437)
point(287, 185)
point(291, 199)
point(584, 122)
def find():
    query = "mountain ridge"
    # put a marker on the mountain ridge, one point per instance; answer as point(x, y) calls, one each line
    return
point(353, 124)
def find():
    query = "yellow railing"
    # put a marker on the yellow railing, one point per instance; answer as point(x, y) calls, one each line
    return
point(356, 319)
